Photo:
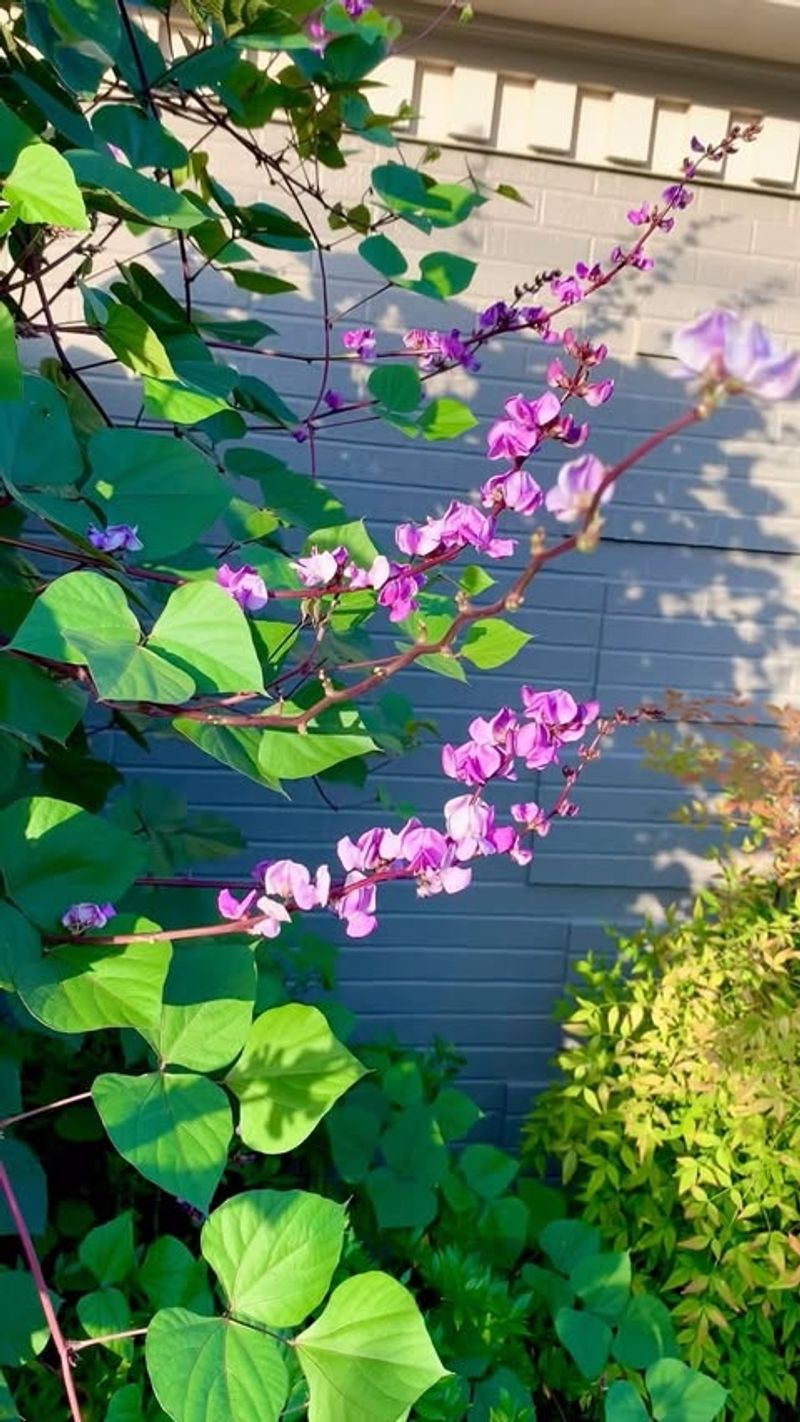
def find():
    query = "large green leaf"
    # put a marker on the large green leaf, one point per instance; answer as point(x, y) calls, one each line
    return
point(353, 1133)
point(32, 703)
point(566, 1242)
point(383, 255)
point(82, 603)
point(444, 274)
point(603, 1282)
point(172, 1278)
point(400, 1203)
point(586, 1338)
point(623, 1404)
point(119, 190)
point(446, 418)
point(11, 386)
point(681, 1394)
point(141, 137)
point(175, 1130)
point(83, 987)
point(29, 1184)
point(205, 632)
point(24, 1332)
point(136, 344)
point(235, 746)
point(368, 1356)
point(87, 24)
point(414, 195)
point(413, 1145)
point(214, 1370)
point(334, 737)
point(162, 485)
point(107, 1250)
point(488, 1170)
point(207, 1004)
point(42, 186)
point(104, 1311)
point(293, 496)
point(30, 429)
point(645, 1333)
point(8, 1407)
point(133, 673)
point(274, 1253)
point(54, 854)
point(290, 1073)
point(492, 643)
point(398, 387)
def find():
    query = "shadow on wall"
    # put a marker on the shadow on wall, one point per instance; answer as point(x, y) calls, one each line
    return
point(694, 587)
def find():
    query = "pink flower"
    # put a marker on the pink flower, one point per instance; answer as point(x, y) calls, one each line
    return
point(598, 394)
point(286, 879)
point(274, 916)
point(739, 355)
point(244, 585)
point(374, 848)
point(399, 592)
point(532, 816)
point(567, 289)
point(356, 909)
point(233, 908)
point(563, 717)
point(488, 755)
point(373, 577)
point(577, 484)
point(362, 341)
point(317, 569)
point(535, 745)
point(516, 490)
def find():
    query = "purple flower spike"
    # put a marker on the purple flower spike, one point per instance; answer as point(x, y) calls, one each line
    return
point(82, 916)
point(115, 538)
point(738, 355)
point(578, 482)
point(361, 341)
point(244, 585)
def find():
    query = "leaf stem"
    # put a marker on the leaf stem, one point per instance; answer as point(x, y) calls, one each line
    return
point(40, 1110)
point(43, 1292)
point(77, 1345)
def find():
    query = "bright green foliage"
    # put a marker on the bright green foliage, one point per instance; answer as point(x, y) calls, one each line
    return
point(368, 1355)
point(274, 1253)
point(175, 1129)
point(678, 1142)
point(291, 1071)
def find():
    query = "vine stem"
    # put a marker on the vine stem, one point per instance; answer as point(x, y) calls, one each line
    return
point(40, 1110)
point(77, 1345)
point(44, 1293)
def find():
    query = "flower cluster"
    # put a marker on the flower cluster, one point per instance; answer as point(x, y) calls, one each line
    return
point(551, 720)
point(439, 348)
point(528, 422)
point(437, 860)
point(362, 341)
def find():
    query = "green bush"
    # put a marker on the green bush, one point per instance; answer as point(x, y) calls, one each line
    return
point(676, 1122)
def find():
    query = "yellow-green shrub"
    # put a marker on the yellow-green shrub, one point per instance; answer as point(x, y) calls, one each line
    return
point(677, 1122)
